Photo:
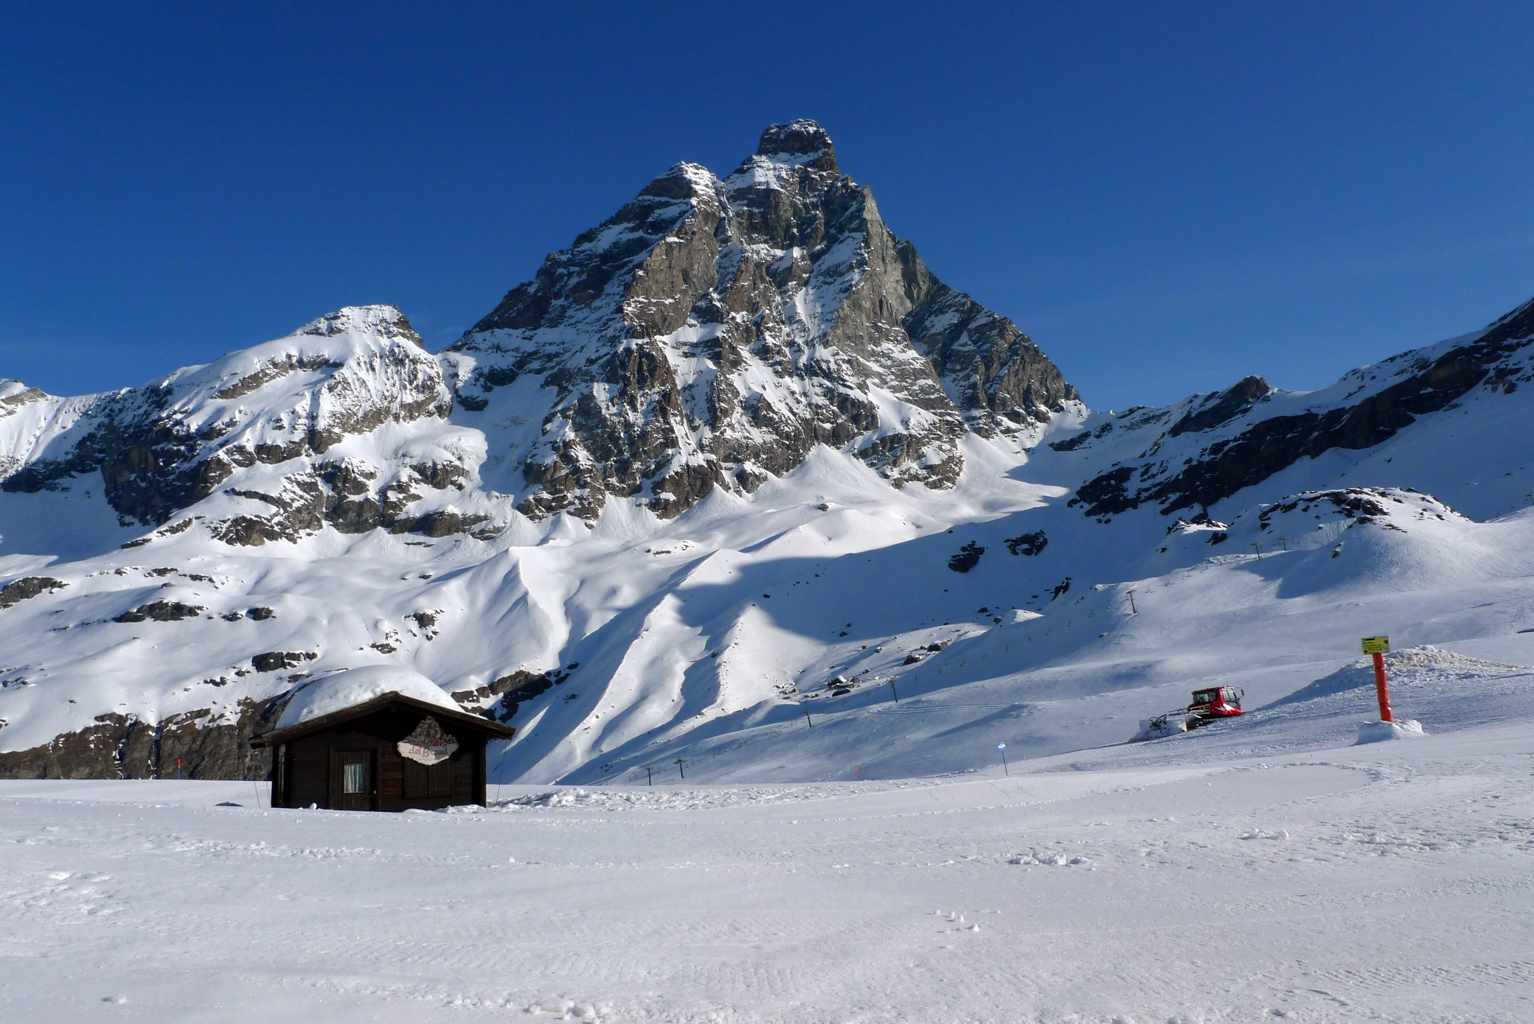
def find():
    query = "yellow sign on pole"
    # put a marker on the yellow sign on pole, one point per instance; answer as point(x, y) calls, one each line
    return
point(1376, 644)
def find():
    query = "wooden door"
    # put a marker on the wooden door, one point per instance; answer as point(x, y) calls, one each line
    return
point(427, 782)
point(353, 780)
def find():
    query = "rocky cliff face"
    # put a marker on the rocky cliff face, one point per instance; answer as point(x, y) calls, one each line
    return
point(714, 330)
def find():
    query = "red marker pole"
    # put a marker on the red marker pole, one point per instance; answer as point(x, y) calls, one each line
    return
point(1382, 688)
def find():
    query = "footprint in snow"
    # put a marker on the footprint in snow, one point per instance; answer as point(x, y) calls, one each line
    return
point(1035, 858)
point(564, 1008)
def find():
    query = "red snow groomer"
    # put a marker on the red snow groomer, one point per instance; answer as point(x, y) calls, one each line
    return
point(1215, 702)
point(1208, 705)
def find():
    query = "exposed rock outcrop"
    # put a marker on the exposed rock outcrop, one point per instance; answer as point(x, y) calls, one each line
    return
point(1222, 407)
point(161, 611)
point(966, 558)
point(124, 747)
point(274, 661)
point(28, 586)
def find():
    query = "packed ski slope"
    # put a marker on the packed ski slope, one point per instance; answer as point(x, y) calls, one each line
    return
point(1266, 869)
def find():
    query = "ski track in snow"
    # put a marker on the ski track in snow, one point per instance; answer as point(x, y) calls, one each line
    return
point(1387, 881)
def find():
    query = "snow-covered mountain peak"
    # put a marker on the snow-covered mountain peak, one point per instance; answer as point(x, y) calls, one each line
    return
point(341, 423)
point(1517, 324)
point(11, 388)
point(685, 180)
point(382, 321)
point(712, 333)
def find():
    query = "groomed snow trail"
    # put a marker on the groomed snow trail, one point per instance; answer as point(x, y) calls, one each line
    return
point(1393, 881)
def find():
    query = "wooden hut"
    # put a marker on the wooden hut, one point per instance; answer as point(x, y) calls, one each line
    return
point(378, 740)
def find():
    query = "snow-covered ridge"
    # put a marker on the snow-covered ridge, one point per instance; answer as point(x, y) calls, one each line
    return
point(343, 422)
point(1207, 449)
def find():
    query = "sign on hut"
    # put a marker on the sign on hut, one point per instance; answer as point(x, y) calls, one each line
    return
point(377, 739)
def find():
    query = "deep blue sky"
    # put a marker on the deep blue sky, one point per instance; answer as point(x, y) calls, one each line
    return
point(1165, 196)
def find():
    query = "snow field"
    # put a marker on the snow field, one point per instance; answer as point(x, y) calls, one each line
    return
point(1387, 881)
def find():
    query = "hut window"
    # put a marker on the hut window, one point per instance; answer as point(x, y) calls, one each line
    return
point(354, 777)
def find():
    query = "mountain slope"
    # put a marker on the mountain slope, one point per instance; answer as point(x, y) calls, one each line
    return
point(1204, 452)
point(664, 500)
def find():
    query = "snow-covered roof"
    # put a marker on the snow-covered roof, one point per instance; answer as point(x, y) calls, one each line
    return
point(351, 687)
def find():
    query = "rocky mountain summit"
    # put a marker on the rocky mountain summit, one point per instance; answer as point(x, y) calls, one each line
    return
point(713, 331)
